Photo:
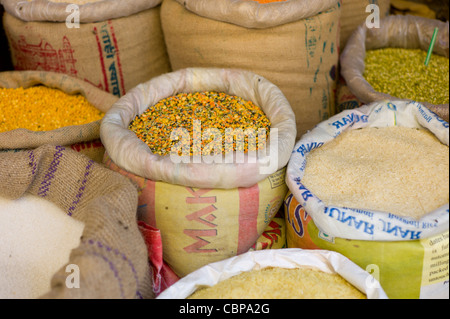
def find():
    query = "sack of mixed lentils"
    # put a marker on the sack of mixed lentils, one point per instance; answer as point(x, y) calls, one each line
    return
point(206, 211)
point(49, 98)
point(294, 44)
point(401, 44)
point(111, 260)
point(112, 44)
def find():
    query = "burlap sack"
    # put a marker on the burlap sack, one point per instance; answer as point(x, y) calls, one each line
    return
point(84, 138)
point(407, 32)
point(112, 256)
point(294, 44)
point(353, 14)
point(117, 45)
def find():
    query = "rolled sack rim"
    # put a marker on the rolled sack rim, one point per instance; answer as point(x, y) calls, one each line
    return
point(46, 10)
point(252, 14)
point(390, 34)
point(128, 152)
point(367, 224)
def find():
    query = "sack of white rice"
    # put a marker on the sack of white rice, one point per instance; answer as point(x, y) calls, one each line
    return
point(206, 210)
point(98, 254)
point(388, 63)
point(373, 184)
point(112, 44)
point(40, 108)
point(278, 274)
point(294, 44)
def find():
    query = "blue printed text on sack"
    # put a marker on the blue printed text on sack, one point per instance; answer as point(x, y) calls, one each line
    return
point(350, 119)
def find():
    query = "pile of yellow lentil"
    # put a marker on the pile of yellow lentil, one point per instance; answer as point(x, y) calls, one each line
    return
point(215, 110)
point(403, 74)
point(40, 108)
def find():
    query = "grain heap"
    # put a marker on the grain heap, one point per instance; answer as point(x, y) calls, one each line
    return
point(37, 238)
point(281, 283)
point(412, 79)
point(404, 171)
point(41, 108)
point(212, 109)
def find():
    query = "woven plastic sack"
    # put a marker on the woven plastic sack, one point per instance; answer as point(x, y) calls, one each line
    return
point(112, 256)
point(112, 44)
point(128, 152)
point(326, 261)
point(82, 138)
point(413, 269)
point(294, 44)
point(367, 225)
point(408, 32)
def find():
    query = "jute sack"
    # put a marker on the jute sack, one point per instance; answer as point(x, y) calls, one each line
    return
point(353, 14)
point(112, 256)
point(293, 44)
point(83, 138)
point(205, 211)
point(408, 32)
point(115, 46)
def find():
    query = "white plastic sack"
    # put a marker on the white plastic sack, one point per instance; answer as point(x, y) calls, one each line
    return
point(326, 261)
point(130, 153)
point(367, 224)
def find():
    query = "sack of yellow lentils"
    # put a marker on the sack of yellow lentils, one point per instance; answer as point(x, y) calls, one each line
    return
point(356, 12)
point(109, 257)
point(40, 108)
point(373, 184)
point(294, 44)
point(112, 44)
point(389, 62)
point(206, 210)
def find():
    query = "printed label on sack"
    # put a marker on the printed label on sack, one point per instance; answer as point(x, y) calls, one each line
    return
point(435, 259)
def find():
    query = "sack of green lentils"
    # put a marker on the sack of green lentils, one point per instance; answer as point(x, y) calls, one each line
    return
point(294, 44)
point(207, 210)
point(401, 44)
point(110, 260)
point(112, 44)
point(83, 131)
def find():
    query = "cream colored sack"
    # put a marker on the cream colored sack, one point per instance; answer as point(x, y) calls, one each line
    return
point(115, 46)
point(407, 32)
point(293, 44)
point(130, 153)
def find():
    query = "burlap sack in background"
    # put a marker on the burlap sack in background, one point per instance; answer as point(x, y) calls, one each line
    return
point(353, 14)
point(84, 138)
point(408, 32)
point(118, 44)
point(112, 255)
point(293, 44)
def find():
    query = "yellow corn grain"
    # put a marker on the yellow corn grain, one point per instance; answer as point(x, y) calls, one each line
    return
point(40, 108)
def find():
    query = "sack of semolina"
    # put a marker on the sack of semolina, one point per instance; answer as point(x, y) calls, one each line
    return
point(82, 132)
point(401, 43)
point(373, 184)
point(356, 12)
point(111, 258)
point(279, 274)
point(206, 211)
point(111, 44)
point(294, 44)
